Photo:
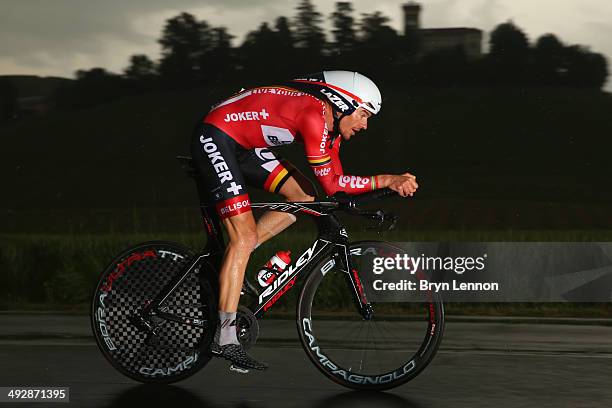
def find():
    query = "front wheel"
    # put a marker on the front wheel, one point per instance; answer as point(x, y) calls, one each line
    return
point(388, 348)
point(129, 283)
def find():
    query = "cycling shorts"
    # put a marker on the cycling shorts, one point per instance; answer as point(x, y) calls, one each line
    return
point(225, 169)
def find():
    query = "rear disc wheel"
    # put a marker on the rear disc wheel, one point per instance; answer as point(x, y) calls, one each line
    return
point(132, 280)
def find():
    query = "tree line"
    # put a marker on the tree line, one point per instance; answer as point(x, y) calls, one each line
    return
point(196, 54)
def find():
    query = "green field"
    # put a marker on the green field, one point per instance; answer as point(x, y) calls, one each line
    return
point(58, 272)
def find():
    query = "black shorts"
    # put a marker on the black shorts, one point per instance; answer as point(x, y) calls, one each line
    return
point(225, 169)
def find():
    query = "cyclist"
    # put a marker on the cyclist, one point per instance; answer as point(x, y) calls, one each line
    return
point(230, 150)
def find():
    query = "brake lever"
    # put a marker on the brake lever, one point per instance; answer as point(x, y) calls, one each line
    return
point(380, 217)
point(393, 221)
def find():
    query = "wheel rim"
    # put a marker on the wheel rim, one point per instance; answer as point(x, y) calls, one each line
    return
point(127, 285)
point(392, 347)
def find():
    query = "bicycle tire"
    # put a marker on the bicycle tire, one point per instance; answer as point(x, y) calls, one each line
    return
point(330, 329)
point(134, 277)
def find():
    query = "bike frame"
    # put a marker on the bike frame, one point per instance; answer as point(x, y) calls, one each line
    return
point(332, 239)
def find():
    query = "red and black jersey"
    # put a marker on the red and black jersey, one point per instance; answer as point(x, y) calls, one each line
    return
point(274, 116)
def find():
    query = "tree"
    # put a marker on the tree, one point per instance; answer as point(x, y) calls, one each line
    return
point(184, 41)
point(257, 53)
point(262, 38)
point(141, 74)
point(267, 54)
point(141, 68)
point(509, 41)
point(284, 45)
point(92, 87)
point(284, 36)
point(584, 68)
point(309, 36)
point(509, 53)
point(379, 42)
point(548, 60)
point(219, 60)
point(345, 37)
point(374, 28)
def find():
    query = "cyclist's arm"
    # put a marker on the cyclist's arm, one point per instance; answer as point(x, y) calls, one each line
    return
point(325, 163)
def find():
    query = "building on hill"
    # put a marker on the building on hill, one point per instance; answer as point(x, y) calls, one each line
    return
point(469, 40)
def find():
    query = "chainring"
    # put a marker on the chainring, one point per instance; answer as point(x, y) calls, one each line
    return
point(247, 327)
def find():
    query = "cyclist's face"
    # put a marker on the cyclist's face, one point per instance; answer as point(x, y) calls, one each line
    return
point(358, 120)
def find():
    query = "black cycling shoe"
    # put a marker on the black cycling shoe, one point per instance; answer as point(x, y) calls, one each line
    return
point(242, 362)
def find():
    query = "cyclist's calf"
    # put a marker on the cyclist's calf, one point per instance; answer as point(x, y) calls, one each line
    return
point(242, 235)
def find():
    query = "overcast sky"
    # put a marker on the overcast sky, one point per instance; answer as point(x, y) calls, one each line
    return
point(57, 37)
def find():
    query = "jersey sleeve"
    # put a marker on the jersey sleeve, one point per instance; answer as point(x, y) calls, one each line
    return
point(325, 162)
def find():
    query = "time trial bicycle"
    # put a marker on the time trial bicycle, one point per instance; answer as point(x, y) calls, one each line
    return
point(154, 309)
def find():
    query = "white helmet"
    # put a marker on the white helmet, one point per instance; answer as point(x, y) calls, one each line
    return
point(345, 90)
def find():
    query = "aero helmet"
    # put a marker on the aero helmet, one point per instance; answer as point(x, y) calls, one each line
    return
point(345, 90)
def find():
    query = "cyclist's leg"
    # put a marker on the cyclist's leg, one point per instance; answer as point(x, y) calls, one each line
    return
point(242, 238)
point(215, 157)
point(263, 169)
point(297, 188)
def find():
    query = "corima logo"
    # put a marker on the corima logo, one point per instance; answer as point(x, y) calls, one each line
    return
point(336, 100)
point(288, 273)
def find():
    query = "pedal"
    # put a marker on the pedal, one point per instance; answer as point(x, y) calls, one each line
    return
point(238, 369)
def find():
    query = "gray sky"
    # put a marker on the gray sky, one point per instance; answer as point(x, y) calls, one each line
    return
point(57, 37)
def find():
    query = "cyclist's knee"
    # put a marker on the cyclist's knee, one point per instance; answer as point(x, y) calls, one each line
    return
point(298, 188)
point(247, 241)
point(242, 232)
point(300, 197)
point(244, 238)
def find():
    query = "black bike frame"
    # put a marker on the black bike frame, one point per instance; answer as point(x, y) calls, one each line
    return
point(332, 240)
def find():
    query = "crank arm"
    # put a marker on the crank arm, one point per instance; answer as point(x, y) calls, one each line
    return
point(189, 321)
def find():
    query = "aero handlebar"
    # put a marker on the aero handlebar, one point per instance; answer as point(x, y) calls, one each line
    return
point(349, 202)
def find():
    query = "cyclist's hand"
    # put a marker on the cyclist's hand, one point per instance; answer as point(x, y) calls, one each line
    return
point(404, 184)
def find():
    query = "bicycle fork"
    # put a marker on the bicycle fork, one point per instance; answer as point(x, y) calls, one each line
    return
point(341, 257)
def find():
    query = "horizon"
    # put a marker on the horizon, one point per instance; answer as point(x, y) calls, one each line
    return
point(46, 45)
